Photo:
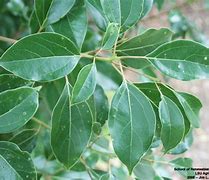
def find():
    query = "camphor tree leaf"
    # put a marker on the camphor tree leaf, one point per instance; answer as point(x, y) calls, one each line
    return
point(153, 93)
point(101, 105)
point(125, 12)
point(85, 84)
point(172, 120)
point(192, 106)
point(131, 123)
point(25, 139)
point(49, 90)
point(142, 45)
point(17, 107)
point(182, 59)
point(183, 163)
point(14, 163)
point(159, 3)
point(96, 11)
point(110, 36)
point(144, 171)
point(41, 57)
point(107, 76)
point(47, 12)
point(73, 25)
point(10, 81)
point(184, 145)
point(34, 24)
point(71, 129)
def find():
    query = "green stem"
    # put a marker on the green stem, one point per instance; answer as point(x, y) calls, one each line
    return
point(161, 94)
point(115, 45)
point(135, 57)
point(41, 123)
point(84, 55)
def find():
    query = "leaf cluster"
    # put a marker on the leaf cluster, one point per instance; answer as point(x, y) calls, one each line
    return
point(66, 103)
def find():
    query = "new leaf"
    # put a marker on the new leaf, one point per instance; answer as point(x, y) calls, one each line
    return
point(85, 84)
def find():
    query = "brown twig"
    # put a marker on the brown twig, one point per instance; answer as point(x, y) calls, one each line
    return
point(8, 40)
point(41, 123)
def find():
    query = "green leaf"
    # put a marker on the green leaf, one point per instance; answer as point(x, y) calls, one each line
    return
point(159, 3)
point(17, 107)
point(50, 11)
point(92, 40)
point(184, 145)
point(85, 84)
point(41, 57)
point(25, 139)
point(110, 36)
point(125, 13)
point(14, 163)
point(107, 76)
point(34, 24)
point(132, 124)
point(95, 9)
point(71, 129)
point(49, 90)
point(172, 120)
point(192, 106)
point(144, 171)
point(182, 59)
point(142, 45)
point(73, 25)
point(10, 81)
point(152, 92)
point(101, 105)
point(183, 163)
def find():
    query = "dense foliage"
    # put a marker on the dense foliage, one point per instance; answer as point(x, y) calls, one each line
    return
point(67, 107)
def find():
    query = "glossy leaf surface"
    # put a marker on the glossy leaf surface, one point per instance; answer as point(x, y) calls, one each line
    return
point(25, 139)
point(51, 11)
point(125, 13)
point(172, 121)
point(85, 84)
point(110, 36)
point(192, 106)
point(17, 107)
point(101, 105)
point(14, 163)
point(10, 81)
point(73, 25)
point(41, 57)
point(153, 93)
point(182, 59)
point(97, 13)
point(131, 123)
point(72, 124)
point(142, 45)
